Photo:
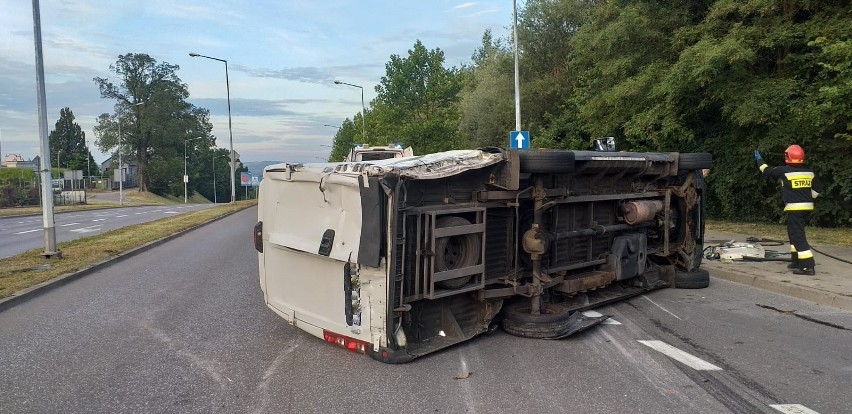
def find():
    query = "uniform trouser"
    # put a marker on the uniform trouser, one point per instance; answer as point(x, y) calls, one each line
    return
point(799, 247)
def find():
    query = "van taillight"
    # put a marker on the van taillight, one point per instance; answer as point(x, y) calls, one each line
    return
point(258, 236)
point(346, 342)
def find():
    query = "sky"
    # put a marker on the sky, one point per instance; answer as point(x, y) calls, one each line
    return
point(283, 58)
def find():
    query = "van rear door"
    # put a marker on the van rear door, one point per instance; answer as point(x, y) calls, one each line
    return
point(312, 226)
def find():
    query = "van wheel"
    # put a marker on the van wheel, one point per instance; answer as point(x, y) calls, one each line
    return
point(538, 161)
point(455, 252)
point(694, 161)
point(552, 322)
point(696, 279)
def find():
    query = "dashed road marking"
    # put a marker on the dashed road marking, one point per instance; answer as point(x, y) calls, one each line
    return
point(123, 215)
point(98, 219)
point(27, 231)
point(681, 356)
point(793, 409)
point(69, 224)
point(171, 212)
point(89, 229)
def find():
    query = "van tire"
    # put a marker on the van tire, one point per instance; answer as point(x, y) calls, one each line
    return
point(455, 252)
point(694, 161)
point(696, 279)
point(538, 161)
point(553, 322)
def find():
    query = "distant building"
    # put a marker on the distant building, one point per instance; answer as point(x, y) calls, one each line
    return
point(17, 161)
point(129, 169)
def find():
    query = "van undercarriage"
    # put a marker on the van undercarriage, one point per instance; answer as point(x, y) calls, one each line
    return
point(532, 241)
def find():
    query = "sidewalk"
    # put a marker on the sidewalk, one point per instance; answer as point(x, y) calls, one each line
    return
point(832, 285)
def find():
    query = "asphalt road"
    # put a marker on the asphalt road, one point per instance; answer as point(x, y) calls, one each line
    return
point(19, 234)
point(183, 328)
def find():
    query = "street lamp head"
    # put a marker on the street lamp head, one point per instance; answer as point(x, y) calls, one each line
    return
point(194, 55)
point(337, 82)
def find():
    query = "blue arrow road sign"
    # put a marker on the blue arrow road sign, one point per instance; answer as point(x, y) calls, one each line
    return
point(519, 139)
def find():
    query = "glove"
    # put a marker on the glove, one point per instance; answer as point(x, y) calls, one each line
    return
point(758, 160)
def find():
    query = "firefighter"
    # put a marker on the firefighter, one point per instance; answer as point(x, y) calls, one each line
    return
point(799, 187)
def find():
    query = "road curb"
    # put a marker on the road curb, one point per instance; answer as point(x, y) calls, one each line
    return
point(813, 295)
point(61, 280)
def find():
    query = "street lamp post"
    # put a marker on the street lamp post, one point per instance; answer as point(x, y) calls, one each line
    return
point(88, 168)
point(186, 177)
point(230, 130)
point(215, 198)
point(363, 108)
point(120, 169)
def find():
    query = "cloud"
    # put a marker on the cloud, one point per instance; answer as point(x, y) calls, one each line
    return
point(466, 5)
point(298, 74)
point(256, 107)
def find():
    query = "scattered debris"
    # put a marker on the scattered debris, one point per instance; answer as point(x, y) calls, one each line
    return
point(730, 251)
point(466, 375)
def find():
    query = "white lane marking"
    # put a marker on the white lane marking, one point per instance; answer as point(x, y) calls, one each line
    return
point(793, 408)
point(27, 231)
point(681, 356)
point(137, 213)
point(171, 212)
point(69, 224)
point(608, 321)
point(98, 219)
point(21, 222)
point(664, 309)
point(89, 229)
point(123, 215)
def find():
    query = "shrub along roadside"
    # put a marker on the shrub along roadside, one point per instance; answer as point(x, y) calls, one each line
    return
point(30, 268)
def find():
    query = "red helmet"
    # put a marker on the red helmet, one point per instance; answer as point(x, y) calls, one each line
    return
point(794, 155)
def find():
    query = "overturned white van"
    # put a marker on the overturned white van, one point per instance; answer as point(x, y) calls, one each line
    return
point(401, 257)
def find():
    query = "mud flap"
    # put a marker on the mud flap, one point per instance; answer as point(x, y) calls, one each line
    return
point(578, 322)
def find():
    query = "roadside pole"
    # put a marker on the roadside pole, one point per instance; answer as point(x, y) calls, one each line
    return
point(44, 144)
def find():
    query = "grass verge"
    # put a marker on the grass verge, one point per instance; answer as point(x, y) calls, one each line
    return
point(30, 268)
point(131, 198)
point(816, 235)
point(36, 211)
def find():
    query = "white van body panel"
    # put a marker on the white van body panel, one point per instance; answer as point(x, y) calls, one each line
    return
point(301, 285)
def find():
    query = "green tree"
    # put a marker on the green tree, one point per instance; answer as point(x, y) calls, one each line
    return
point(344, 140)
point(417, 102)
point(155, 120)
point(68, 145)
point(486, 109)
point(547, 80)
point(727, 77)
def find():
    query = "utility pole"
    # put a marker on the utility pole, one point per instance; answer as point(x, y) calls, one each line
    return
point(49, 225)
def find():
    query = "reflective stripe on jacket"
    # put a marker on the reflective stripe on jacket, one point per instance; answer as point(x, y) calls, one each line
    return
point(799, 185)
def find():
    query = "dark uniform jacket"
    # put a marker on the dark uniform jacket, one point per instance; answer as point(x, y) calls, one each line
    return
point(799, 185)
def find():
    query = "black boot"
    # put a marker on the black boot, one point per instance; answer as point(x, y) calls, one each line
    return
point(794, 261)
point(807, 271)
